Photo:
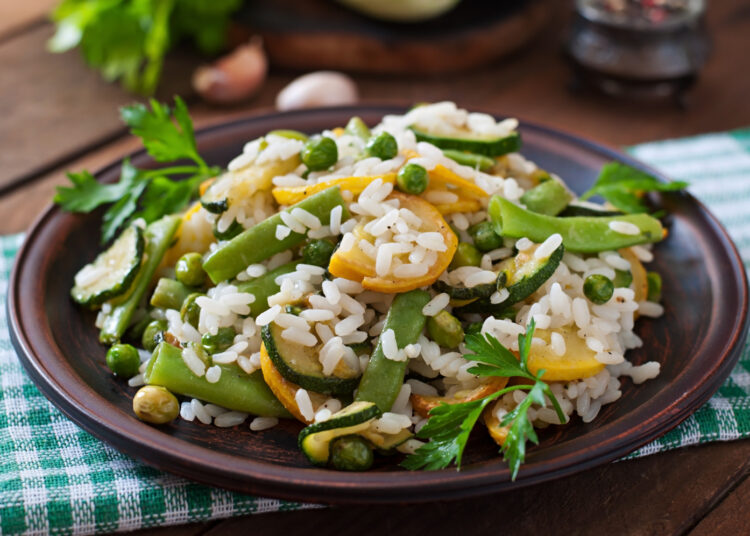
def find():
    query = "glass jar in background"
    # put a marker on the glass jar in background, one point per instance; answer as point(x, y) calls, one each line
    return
point(640, 49)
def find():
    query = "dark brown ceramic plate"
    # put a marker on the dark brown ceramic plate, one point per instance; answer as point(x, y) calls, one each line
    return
point(698, 341)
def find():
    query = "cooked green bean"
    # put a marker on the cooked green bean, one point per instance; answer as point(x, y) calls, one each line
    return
point(259, 242)
point(159, 236)
point(235, 389)
point(357, 127)
point(351, 453)
point(264, 286)
point(549, 197)
point(289, 133)
point(445, 329)
point(476, 161)
point(383, 377)
point(579, 233)
point(169, 294)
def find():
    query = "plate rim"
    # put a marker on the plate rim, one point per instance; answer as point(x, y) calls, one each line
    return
point(275, 480)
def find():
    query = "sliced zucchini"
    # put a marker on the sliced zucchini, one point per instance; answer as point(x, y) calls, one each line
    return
point(230, 232)
point(473, 160)
point(300, 364)
point(465, 140)
point(315, 439)
point(112, 272)
point(470, 293)
point(525, 274)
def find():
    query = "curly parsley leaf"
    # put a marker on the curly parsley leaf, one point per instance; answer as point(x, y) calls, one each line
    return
point(149, 194)
point(449, 425)
point(624, 187)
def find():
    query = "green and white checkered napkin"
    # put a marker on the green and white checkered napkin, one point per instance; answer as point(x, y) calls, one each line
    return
point(57, 479)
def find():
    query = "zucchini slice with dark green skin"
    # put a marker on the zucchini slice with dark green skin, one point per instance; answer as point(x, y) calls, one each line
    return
point(117, 268)
point(524, 274)
point(300, 364)
point(216, 198)
point(315, 439)
point(230, 232)
point(473, 160)
point(469, 293)
point(470, 142)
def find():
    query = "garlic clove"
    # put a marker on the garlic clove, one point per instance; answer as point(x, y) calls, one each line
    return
point(234, 77)
point(320, 88)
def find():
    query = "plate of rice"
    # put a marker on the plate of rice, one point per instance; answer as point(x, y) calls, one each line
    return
point(375, 304)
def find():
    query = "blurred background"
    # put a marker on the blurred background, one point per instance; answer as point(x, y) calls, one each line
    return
point(617, 71)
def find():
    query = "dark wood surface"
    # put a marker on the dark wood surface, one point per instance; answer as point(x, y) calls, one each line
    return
point(56, 115)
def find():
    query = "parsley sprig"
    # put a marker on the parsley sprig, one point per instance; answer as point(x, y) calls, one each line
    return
point(625, 187)
point(450, 425)
point(128, 40)
point(168, 136)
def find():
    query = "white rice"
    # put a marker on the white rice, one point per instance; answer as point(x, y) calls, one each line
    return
point(302, 398)
point(624, 227)
point(263, 423)
point(436, 304)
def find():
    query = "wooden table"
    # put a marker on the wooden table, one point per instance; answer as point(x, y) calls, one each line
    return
point(57, 115)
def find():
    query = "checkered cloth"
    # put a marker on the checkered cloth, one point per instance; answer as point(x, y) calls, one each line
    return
point(57, 479)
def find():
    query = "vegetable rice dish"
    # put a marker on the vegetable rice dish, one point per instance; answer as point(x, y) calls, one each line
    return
point(390, 287)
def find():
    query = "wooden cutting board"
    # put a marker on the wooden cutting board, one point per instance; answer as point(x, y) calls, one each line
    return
point(322, 34)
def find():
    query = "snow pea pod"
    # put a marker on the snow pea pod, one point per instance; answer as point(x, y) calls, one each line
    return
point(382, 380)
point(159, 236)
point(259, 242)
point(235, 389)
point(580, 233)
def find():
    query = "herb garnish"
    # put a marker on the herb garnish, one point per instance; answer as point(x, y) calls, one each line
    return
point(128, 39)
point(168, 136)
point(449, 425)
point(624, 187)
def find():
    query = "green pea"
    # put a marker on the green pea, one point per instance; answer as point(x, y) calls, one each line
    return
point(230, 232)
point(622, 279)
point(357, 127)
point(190, 310)
point(654, 286)
point(383, 146)
point(288, 133)
point(153, 329)
point(189, 270)
point(292, 310)
point(123, 360)
point(485, 237)
point(351, 453)
point(213, 344)
point(598, 288)
point(445, 329)
point(156, 405)
point(466, 255)
point(318, 252)
point(475, 328)
point(319, 153)
point(412, 179)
